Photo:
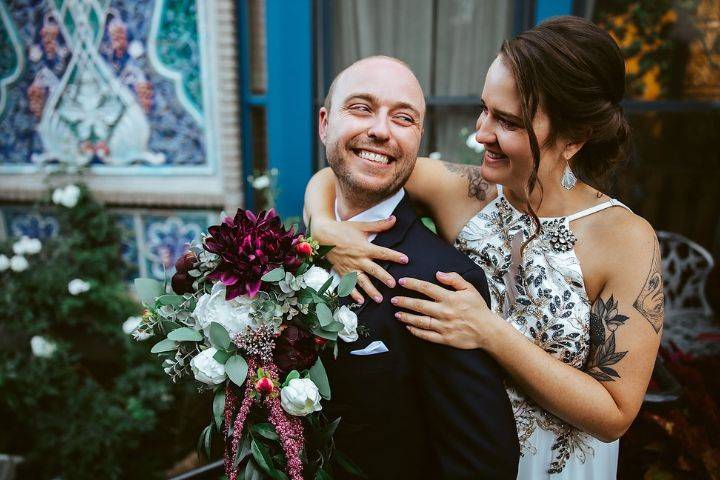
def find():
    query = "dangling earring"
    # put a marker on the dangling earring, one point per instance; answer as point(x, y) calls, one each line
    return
point(568, 179)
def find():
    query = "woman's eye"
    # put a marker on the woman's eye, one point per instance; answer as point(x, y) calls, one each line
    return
point(507, 125)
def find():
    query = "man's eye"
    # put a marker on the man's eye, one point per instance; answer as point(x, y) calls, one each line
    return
point(360, 108)
point(405, 118)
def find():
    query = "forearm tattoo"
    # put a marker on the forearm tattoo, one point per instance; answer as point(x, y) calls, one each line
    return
point(604, 321)
point(651, 301)
point(477, 187)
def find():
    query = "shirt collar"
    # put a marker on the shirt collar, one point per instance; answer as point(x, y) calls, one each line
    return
point(381, 211)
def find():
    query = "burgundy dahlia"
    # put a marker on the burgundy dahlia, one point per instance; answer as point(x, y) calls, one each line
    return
point(295, 349)
point(182, 281)
point(249, 246)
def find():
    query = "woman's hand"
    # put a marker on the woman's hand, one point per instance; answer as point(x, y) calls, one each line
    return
point(459, 318)
point(353, 252)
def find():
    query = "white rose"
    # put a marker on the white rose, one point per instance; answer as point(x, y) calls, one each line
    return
point(473, 144)
point(18, 263)
point(27, 245)
point(78, 286)
point(300, 397)
point(349, 320)
point(4, 263)
point(207, 369)
point(316, 277)
point(234, 315)
point(130, 326)
point(41, 347)
point(261, 182)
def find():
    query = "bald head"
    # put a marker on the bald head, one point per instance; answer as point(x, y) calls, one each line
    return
point(381, 64)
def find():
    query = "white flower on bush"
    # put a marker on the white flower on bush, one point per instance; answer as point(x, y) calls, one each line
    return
point(18, 263)
point(300, 397)
point(207, 369)
point(136, 49)
point(316, 277)
point(473, 144)
point(4, 263)
point(27, 246)
point(349, 320)
point(67, 197)
point(41, 347)
point(130, 327)
point(234, 315)
point(78, 286)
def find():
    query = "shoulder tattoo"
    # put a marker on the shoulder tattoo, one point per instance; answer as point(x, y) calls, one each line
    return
point(603, 358)
point(477, 187)
point(651, 301)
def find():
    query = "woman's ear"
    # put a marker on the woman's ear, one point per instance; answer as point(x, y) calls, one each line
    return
point(571, 149)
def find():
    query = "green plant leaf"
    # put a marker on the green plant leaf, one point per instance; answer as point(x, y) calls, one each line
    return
point(347, 284)
point(326, 285)
point(168, 326)
point(330, 429)
point(262, 457)
point(318, 330)
point(319, 377)
point(348, 465)
point(323, 250)
point(302, 269)
point(170, 299)
point(203, 445)
point(219, 337)
point(236, 368)
point(165, 345)
point(185, 334)
point(148, 290)
point(333, 327)
point(243, 452)
point(322, 475)
point(274, 275)
point(221, 356)
point(219, 407)
point(293, 374)
point(266, 430)
point(324, 314)
point(305, 296)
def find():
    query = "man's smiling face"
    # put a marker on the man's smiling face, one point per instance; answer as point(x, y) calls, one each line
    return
point(373, 127)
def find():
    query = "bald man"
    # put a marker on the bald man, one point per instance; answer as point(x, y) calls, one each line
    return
point(411, 409)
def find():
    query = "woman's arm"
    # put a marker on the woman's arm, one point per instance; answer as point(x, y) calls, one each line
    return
point(626, 320)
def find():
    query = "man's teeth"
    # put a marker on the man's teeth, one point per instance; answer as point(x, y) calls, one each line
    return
point(373, 157)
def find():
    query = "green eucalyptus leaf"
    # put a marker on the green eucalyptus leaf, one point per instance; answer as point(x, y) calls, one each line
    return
point(165, 345)
point(347, 284)
point(236, 368)
point(219, 337)
point(290, 376)
point(170, 299)
point(319, 377)
point(324, 314)
point(221, 356)
point(302, 269)
point(318, 331)
point(168, 326)
point(305, 296)
point(266, 430)
point(333, 327)
point(219, 407)
point(148, 290)
point(323, 250)
point(185, 334)
point(326, 285)
point(274, 275)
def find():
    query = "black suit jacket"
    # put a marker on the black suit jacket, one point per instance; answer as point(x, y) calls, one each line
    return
point(420, 410)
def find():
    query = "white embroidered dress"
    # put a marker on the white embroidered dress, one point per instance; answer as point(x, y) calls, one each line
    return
point(543, 295)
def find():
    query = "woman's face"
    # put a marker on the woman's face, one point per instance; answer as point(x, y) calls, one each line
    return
point(508, 158)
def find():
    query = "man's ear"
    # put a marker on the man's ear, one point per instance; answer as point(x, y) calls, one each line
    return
point(322, 123)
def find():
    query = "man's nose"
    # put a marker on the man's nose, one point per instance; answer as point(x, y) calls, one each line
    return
point(380, 128)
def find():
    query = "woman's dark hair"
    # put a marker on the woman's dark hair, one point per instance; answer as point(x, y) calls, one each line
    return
point(575, 71)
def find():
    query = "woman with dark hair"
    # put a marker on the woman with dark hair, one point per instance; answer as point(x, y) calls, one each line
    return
point(575, 276)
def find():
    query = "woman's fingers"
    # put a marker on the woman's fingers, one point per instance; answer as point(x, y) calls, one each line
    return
point(428, 335)
point(376, 226)
point(364, 282)
point(357, 296)
point(372, 268)
point(423, 307)
point(387, 254)
point(422, 322)
point(454, 280)
point(426, 288)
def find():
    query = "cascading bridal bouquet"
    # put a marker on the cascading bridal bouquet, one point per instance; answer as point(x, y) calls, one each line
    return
point(250, 312)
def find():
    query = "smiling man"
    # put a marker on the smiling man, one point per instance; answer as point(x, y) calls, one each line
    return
point(410, 409)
